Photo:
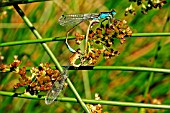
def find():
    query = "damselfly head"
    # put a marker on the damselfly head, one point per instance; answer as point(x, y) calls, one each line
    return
point(113, 12)
point(62, 20)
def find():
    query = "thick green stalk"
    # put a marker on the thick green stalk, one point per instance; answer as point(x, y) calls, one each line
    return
point(103, 102)
point(38, 36)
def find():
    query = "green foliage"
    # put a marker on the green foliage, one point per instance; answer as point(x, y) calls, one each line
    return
point(111, 85)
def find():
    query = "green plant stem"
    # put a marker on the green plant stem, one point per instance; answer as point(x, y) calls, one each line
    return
point(152, 73)
point(123, 68)
point(86, 83)
point(148, 84)
point(126, 68)
point(78, 96)
point(38, 36)
point(72, 37)
point(142, 110)
point(150, 34)
point(13, 2)
point(103, 102)
point(85, 75)
point(23, 42)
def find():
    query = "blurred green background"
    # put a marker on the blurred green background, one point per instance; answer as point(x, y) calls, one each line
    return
point(111, 85)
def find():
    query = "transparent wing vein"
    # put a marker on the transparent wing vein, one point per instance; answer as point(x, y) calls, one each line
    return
point(73, 19)
point(55, 90)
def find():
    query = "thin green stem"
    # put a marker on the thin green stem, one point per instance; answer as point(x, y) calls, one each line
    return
point(103, 102)
point(23, 42)
point(13, 2)
point(85, 75)
point(72, 37)
point(148, 84)
point(47, 49)
point(123, 68)
point(142, 110)
point(152, 73)
point(150, 34)
point(86, 84)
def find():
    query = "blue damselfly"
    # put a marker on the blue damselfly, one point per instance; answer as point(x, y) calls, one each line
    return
point(76, 19)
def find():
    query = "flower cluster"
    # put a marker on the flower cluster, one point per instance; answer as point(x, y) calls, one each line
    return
point(92, 56)
point(149, 99)
point(95, 108)
point(41, 78)
point(11, 67)
point(105, 34)
point(146, 5)
point(101, 41)
point(79, 38)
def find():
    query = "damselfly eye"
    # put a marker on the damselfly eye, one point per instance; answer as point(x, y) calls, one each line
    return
point(113, 12)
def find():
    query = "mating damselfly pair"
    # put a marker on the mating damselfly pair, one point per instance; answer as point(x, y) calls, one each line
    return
point(73, 19)
point(76, 19)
